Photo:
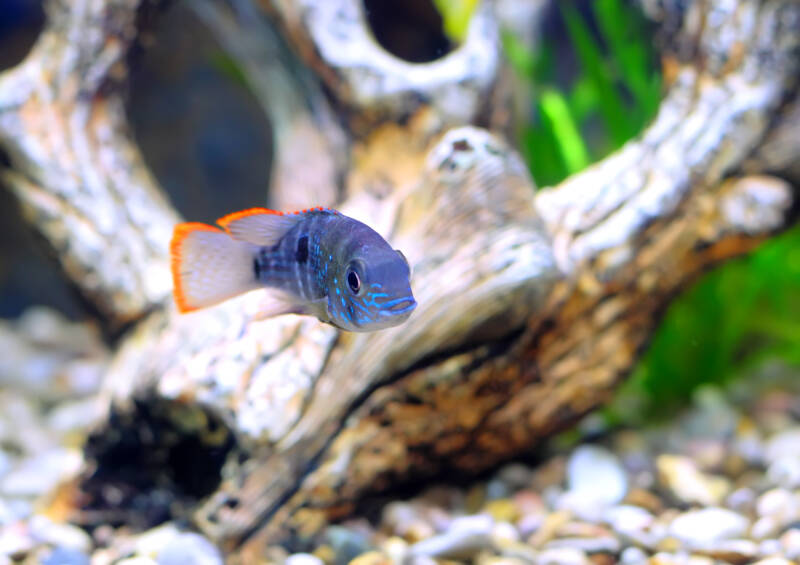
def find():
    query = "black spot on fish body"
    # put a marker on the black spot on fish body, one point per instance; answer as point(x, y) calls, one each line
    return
point(302, 249)
point(257, 267)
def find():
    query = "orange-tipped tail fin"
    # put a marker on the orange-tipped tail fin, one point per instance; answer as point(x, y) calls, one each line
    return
point(209, 266)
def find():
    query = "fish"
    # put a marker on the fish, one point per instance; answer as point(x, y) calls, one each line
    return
point(315, 262)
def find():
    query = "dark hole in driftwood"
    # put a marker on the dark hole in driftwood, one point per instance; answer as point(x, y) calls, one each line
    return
point(152, 462)
point(200, 129)
point(21, 22)
point(409, 29)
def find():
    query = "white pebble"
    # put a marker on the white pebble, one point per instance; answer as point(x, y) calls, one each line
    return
point(633, 556)
point(785, 471)
point(44, 530)
point(303, 559)
point(595, 475)
point(562, 556)
point(467, 536)
point(700, 528)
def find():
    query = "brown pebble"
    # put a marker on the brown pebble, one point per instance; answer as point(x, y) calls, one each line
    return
point(326, 553)
point(736, 551)
point(549, 528)
point(669, 544)
point(602, 559)
point(582, 530)
point(644, 499)
point(371, 558)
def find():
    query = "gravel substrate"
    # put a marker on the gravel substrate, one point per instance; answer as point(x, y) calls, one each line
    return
point(719, 483)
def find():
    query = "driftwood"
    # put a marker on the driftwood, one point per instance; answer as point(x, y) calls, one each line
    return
point(532, 304)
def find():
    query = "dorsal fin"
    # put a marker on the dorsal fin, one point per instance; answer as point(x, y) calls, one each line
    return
point(263, 226)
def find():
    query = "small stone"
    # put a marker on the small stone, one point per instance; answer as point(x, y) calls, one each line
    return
point(769, 547)
point(303, 559)
point(189, 547)
point(776, 502)
point(15, 540)
point(371, 558)
point(707, 526)
point(396, 548)
point(765, 527)
point(548, 529)
point(66, 556)
point(422, 560)
point(699, 560)
point(466, 537)
point(666, 558)
point(529, 502)
point(783, 444)
point(686, 483)
point(484, 559)
point(625, 519)
point(575, 529)
point(65, 536)
point(707, 454)
point(785, 471)
point(396, 515)
point(644, 498)
point(595, 477)
point(632, 556)
point(602, 559)
point(520, 551)
point(790, 541)
point(497, 489)
point(562, 556)
point(346, 544)
point(14, 510)
point(152, 541)
point(529, 524)
point(502, 510)
point(39, 475)
point(773, 561)
point(276, 554)
point(600, 544)
point(75, 416)
point(325, 553)
point(516, 475)
point(736, 551)
point(742, 500)
point(503, 535)
point(417, 530)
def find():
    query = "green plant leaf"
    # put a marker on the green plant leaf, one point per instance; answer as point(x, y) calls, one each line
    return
point(568, 139)
point(610, 101)
point(455, 17)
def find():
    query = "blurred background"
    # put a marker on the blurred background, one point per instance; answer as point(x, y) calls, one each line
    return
point(594, 83)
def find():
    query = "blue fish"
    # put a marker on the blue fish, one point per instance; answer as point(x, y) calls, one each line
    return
point(317, 262)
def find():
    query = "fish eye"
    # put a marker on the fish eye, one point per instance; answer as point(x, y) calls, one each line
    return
point(353, 281)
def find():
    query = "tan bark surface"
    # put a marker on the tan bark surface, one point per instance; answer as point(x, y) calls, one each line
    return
point(532, 305)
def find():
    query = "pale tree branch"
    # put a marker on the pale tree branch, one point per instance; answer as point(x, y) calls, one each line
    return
point(74, 168)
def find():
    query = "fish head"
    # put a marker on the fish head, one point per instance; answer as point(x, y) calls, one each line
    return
point(372, 290)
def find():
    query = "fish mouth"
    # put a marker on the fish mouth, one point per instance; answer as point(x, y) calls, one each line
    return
point(398, 306)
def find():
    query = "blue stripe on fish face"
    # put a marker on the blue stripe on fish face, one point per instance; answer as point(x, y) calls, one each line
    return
point(371, 308)
point(366, 281)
